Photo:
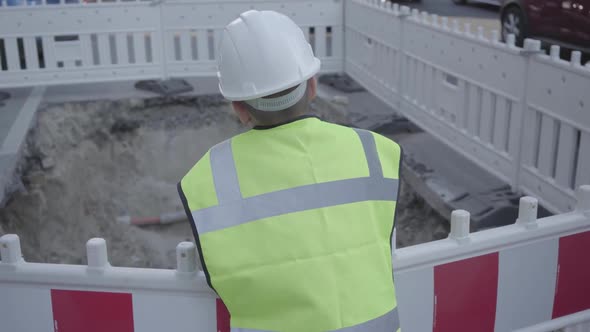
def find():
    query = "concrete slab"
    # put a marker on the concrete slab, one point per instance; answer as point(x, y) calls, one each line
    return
point(26, 105)
point(16, 118)
point(120, 90)
point(448, 181)
point(11, 109)
point(8, 164)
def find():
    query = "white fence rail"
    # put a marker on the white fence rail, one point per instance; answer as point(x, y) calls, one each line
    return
point(106, 41)
point(518, 113)
point(532, 275)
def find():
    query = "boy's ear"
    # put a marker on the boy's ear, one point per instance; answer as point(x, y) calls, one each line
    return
point(242, 112)
point(312, 89)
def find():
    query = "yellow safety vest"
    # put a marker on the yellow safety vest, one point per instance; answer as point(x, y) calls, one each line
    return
point(294, 227)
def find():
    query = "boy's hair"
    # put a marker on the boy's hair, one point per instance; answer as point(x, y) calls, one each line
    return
point(268, 118)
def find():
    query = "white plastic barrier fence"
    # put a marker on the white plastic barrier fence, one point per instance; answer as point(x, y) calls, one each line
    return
point(127, 40)
point(531, 275)
point(99, 297)
point(520, 276)
point(518, 113)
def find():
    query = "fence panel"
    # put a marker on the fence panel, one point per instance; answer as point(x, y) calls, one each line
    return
point(471, 94)
point(74, 43)
point(128, 40)
point(455, 85)
point(523, 117)
point(370, 36)
point(203, 21)
point(557, 134)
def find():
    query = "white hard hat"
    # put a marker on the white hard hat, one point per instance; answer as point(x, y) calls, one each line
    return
point(262, 53)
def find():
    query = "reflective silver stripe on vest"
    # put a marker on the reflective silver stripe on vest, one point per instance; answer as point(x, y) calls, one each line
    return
point(368, 141)
point(233, 210)
point(225, 175)
point(386, 323)
point(313, 196)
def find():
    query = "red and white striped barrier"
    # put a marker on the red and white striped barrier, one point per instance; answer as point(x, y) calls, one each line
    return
point(99, 297)
point(533, 276)
point(503, 279)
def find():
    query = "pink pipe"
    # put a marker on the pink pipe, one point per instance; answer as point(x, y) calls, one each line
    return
point(165, 218)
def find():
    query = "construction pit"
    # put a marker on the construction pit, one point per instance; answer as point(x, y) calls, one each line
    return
point(86, 164)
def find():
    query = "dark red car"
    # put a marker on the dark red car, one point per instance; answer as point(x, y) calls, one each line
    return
point(560, 22)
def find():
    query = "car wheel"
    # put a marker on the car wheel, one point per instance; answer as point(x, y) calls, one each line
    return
point(460, 2)
point(513, 23)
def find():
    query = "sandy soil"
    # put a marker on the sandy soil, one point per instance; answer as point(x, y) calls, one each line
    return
point(111, 159)
point(87, 163)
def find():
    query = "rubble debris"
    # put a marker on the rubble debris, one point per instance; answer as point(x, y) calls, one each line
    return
point(122, 126)
point(167, 87)
point(341, 82)
point(342, 100)
point(47, 163)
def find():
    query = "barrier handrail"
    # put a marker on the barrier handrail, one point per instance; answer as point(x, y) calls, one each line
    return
point(559, 323)
point(99, 273)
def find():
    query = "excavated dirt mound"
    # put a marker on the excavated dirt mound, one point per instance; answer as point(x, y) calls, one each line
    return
point(89, 162)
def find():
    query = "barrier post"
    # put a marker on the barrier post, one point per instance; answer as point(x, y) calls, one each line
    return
point(467, 29)
point(555, 52)
point(583, 197)
point(444, 21)
point(576, 59)
point(162, 39)
point(186, 258)
point(495, 36)
point(403, 12)
point(96, 253)
point(527, 212)
point(531, 48)
point(481, 34)
point(10, 251)
point(460, 226)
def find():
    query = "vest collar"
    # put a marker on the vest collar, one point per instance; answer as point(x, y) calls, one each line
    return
point(301, 117)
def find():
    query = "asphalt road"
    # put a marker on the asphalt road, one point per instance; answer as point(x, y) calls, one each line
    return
point(474, 13)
